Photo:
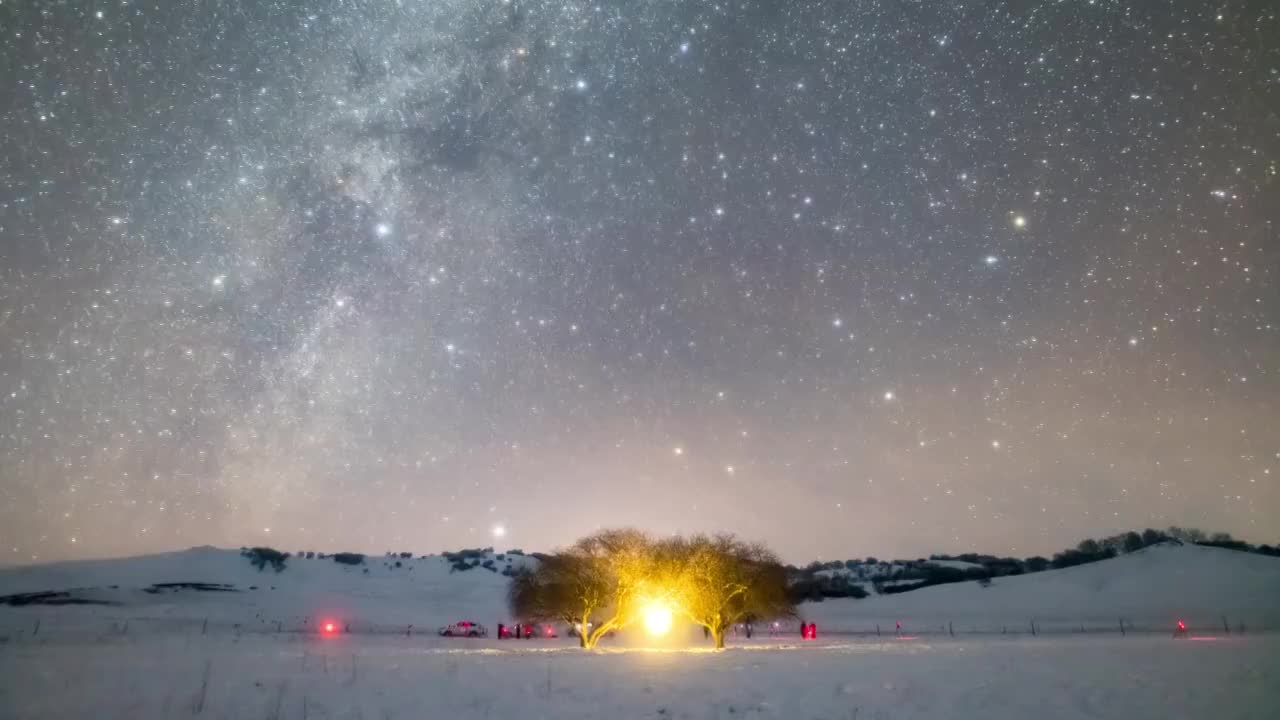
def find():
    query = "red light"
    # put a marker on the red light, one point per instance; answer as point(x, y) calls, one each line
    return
point(1182, 625)
point(330, 627)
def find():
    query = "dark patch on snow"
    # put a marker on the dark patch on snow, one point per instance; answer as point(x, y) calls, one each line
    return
point(49, 598)
point(198, 586)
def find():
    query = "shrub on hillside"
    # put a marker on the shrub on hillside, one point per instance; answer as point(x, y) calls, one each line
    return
point(476, 554)
point(1151, 537)
point(260, 557)
point(1082, 555)
point(348, 558)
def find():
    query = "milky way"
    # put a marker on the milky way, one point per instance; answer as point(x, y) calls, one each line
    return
point(847, 277)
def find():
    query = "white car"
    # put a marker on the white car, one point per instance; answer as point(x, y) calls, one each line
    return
point(465, 628)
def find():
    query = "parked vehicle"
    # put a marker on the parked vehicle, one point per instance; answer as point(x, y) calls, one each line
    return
point(464, 628)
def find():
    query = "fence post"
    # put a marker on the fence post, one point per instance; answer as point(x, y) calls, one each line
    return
point(36, 631)
point(1225, 626)
point(1033, 628)
point(204, 629)
point(1122, 627)
point(877, 629)
point(951, 629)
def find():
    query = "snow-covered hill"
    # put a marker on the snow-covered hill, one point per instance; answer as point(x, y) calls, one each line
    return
point(382, 592)
point(1153, 588)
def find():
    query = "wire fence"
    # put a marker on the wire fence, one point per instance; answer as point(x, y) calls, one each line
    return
point(72, 628)
point(1031, 627)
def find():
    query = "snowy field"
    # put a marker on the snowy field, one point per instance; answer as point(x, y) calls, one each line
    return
point(138, 648)
point(309, 677)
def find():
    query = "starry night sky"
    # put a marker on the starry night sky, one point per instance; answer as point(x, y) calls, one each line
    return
point(849, 277)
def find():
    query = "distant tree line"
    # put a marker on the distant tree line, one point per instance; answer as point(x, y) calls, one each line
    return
point(835, 579)
point(459, 560)
point(849, 578)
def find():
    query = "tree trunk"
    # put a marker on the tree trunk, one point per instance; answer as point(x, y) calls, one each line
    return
point(718, 634)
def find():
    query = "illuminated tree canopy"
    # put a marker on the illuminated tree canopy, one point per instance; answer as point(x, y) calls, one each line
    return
point(609, 580)
point(722, 581)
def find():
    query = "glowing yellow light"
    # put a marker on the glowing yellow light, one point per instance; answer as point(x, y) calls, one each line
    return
point(657, 619)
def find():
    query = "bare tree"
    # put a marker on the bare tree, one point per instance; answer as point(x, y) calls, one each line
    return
point(594, 585)
point(722, 581)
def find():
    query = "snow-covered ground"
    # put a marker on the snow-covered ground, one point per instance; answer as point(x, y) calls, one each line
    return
point(305, 677)
point(1149, 590)
point(254, 650)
